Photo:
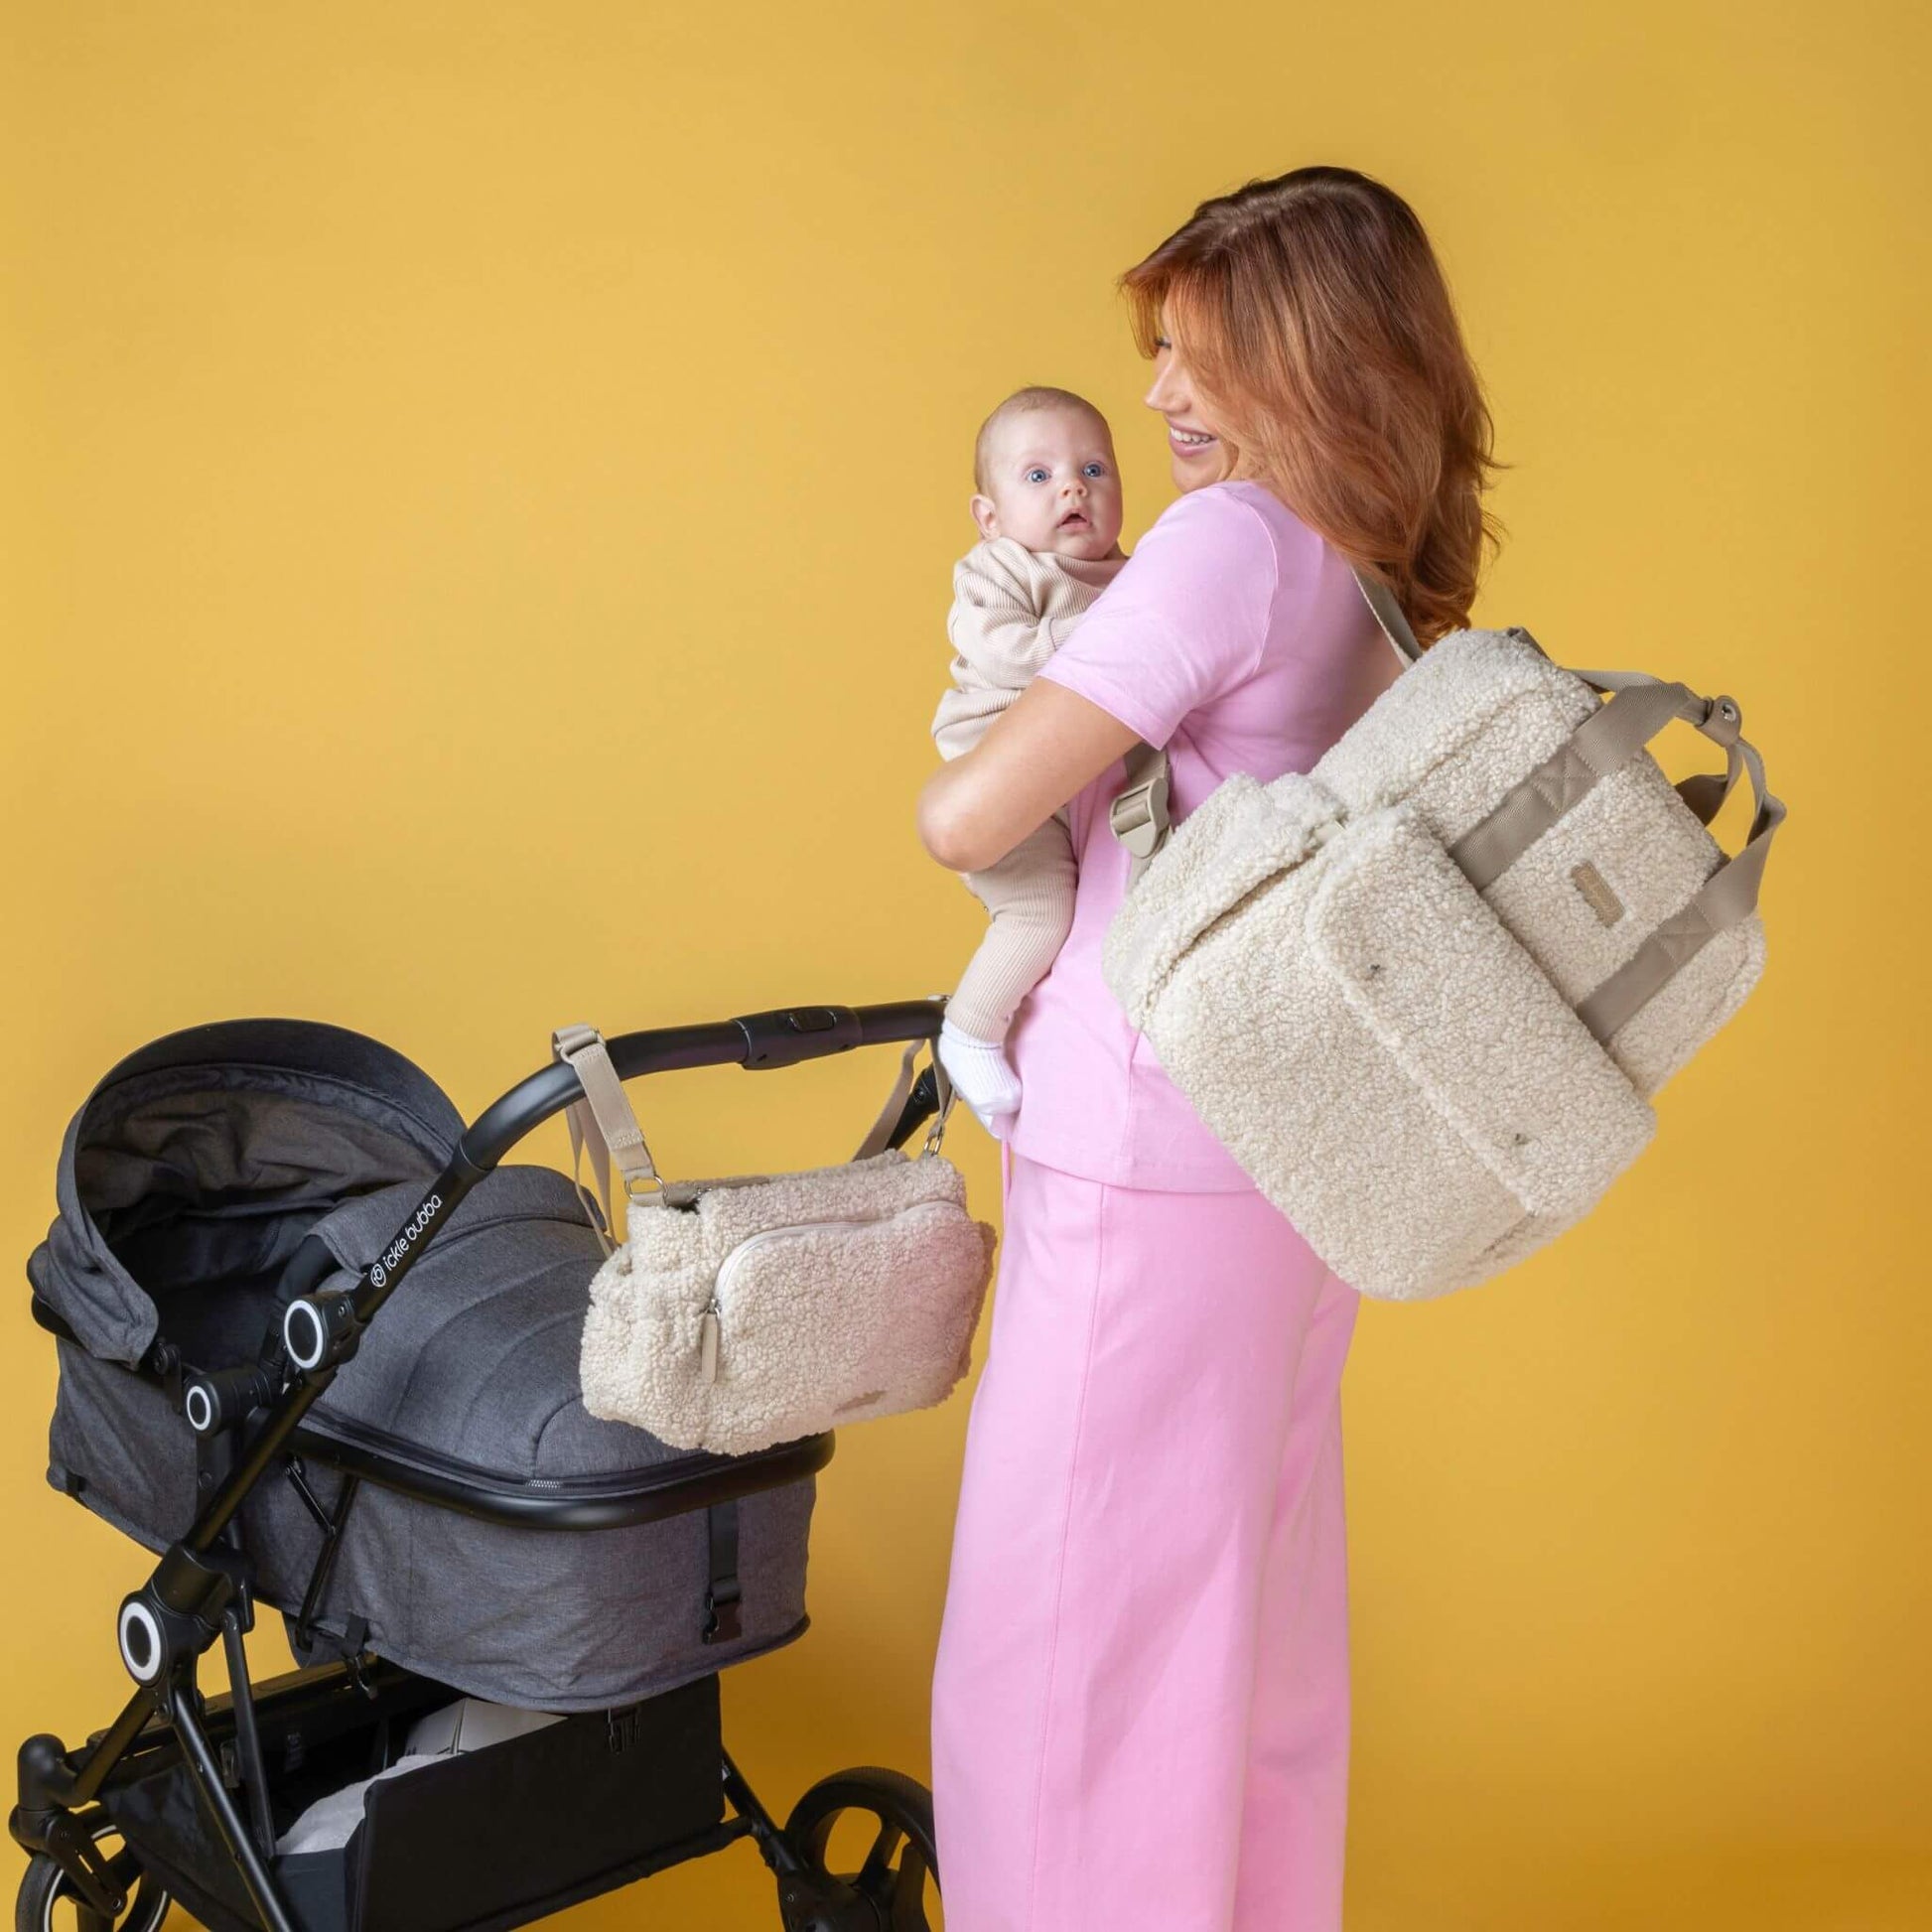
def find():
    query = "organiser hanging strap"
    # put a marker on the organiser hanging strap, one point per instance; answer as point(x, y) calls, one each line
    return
point(603, 1122)
point(879, 1134)
point(943, 1088)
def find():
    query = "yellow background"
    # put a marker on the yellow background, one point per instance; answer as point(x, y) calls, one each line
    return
point(480, 489)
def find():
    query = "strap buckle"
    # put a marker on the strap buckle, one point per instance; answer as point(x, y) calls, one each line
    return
point(1139, 815)
point(602, 1122)
point(722, 1591)
point(722, 1623)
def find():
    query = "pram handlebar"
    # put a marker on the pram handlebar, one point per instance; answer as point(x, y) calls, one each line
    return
point(781, 1038)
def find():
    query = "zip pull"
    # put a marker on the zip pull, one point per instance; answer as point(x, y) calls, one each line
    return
point(708, 1344)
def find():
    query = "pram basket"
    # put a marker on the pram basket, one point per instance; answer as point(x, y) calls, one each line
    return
point(423, 1498)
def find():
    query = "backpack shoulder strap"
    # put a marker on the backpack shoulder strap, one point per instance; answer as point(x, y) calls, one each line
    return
point(1388, 613)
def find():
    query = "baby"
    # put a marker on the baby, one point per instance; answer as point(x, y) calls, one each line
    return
point(1048, 503)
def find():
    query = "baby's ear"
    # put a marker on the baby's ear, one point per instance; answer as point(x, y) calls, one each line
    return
point(986, 514)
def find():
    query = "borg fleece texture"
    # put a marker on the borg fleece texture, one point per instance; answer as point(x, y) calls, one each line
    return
point(841, 1294)
point(1393, 1055)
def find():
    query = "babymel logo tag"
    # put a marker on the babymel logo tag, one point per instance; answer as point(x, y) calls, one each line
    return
point(1596, 893)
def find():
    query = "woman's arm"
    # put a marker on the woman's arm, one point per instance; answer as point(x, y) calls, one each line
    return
point(1044, 747)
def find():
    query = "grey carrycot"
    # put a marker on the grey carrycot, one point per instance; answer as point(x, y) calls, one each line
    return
point(427, 1504)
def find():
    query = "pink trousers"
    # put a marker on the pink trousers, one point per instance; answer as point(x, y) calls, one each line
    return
point(1141, 1699)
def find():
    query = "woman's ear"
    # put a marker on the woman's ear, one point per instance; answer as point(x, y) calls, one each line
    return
point(986, 516)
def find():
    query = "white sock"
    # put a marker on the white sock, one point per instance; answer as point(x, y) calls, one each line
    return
point(981, 1077)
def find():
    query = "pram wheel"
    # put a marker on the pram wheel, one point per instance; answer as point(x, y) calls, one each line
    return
point(48, 1904)
point(884, 1821)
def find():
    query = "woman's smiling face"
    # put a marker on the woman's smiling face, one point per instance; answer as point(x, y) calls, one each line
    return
point(1193, 446)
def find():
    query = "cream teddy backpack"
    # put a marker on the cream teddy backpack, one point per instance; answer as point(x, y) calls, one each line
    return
point(1423, 992)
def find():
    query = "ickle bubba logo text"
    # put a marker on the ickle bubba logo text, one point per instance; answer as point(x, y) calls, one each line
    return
point(392, 1256)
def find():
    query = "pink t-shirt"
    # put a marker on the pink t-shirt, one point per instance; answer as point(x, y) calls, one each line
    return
point(1236, 637)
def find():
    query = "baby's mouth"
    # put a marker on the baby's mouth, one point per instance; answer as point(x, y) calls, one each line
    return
point(1076, 520)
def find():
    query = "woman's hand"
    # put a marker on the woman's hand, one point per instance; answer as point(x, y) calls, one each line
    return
point(1045, 746)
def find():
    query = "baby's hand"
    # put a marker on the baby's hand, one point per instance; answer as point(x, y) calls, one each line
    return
point(981, 1077)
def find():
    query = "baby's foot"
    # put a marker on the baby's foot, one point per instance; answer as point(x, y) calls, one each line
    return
point(981, 1077)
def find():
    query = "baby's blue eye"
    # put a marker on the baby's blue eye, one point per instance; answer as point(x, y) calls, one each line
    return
point(1095, 469)
point(1035, 475)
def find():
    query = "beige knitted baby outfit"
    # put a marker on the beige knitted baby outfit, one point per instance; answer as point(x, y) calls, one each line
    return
point(1012, 610)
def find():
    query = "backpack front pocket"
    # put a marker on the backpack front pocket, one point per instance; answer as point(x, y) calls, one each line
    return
point(1488, 1045)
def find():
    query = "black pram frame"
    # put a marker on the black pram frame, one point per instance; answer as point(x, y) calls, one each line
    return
point(248, 1421)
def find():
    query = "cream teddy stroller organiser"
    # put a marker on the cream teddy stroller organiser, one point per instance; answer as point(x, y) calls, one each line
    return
point(757, 1309)
point(1424, 991)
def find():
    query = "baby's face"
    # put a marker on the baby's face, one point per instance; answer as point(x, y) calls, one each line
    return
point(1052, 483)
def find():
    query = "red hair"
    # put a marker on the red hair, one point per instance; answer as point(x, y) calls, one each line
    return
point(1316, 328)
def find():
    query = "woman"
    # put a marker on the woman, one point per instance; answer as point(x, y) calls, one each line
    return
point(1141, 1699)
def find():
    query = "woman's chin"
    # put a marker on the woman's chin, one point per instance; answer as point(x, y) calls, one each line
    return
point(1197, 471)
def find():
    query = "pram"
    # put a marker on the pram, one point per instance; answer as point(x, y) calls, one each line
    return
point(425, 1501)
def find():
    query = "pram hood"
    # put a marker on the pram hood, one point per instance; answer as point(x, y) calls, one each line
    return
point(198, 1163)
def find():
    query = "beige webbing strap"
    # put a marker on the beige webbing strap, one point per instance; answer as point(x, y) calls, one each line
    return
point(1602, 744)
point(943, 1087)
point(1389, 614)
point(1726, 897)
point(603, 1122)
point(1139, 814)
point(1704, 791)
point(881, 1131)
